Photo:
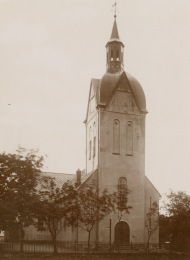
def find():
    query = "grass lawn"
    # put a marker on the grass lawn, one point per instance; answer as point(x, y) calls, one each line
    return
point(93, 257)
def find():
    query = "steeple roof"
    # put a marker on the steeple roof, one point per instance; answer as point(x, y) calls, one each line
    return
point(115, 35)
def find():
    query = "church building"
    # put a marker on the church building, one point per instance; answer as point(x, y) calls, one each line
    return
point(115, 153)
point(115, 146)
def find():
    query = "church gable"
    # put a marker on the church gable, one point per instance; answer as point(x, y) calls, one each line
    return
point(92, 101)
point(122, 99)
point(150, 189)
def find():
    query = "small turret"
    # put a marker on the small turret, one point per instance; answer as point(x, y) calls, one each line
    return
point(114, 50)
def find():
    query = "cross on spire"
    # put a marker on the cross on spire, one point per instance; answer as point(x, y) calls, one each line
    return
point(115, 9)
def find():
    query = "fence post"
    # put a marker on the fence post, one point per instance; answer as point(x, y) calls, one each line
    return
point(110, 236)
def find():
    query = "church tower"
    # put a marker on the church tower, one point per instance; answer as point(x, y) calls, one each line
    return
point(115, 144)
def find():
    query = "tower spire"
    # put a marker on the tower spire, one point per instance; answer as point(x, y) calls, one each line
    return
point(114, 48)
point(114, 34)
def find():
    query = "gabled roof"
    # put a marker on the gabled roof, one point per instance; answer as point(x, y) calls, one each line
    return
point(150, 183)
point(94, 84)
point(109, 84)
point(105, 87)
point(60, 178)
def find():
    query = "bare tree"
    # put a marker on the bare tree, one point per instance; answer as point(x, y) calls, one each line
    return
point(93, 207)
point(152, 223)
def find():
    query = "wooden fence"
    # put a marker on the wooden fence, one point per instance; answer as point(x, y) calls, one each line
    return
point(69, 247)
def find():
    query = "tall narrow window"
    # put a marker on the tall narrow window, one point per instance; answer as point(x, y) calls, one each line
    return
point(116, 137)
point(90, 143)
point(90, 149)
point(94, 146)
point(122, 193)
point(121, 54)
point(129, 138)
point(94, 139)
point(117, 55)
point(111, 55)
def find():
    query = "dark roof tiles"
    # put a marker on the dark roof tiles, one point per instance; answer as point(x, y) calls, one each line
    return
point(106, 87)
point(108, 84)
point(60, 178)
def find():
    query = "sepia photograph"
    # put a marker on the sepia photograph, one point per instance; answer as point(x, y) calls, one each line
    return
point(95, 129)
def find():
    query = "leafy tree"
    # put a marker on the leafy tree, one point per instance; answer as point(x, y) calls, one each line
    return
point(152, 222)
point(178, 203)
point(56, 207)
point(165, 232)
point(19, 175)
point(93, 207)
point(177, 208)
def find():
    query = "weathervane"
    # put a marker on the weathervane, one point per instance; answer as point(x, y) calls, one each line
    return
point(115, 9)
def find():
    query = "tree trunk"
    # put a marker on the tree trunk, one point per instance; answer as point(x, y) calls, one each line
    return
point(148, 245)
point(22, 240)
point(89, 241)
point(54, 240)
point(54, 245)
point(53, 233)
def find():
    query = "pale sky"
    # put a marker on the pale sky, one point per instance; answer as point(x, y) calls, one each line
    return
point(50, 50)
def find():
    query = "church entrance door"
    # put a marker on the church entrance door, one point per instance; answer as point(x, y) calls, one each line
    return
point(122, 233)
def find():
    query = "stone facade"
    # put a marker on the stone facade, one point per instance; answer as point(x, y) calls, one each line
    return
point(115, 130)
point(115, 152)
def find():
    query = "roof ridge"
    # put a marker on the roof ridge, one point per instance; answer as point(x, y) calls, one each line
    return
point(58, 172)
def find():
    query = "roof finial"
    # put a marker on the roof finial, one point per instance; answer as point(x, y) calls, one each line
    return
point(115, 9)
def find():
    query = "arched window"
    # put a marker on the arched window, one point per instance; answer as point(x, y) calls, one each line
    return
point(116, 137)
point(129, 138)
point(122, 193)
